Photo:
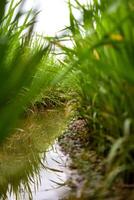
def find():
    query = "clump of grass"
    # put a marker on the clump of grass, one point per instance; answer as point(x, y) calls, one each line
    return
point(20, 63)
point(102, 62)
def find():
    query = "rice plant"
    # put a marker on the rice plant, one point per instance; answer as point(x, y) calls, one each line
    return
point(98, 69)
point(20, 63)
point(102, 58)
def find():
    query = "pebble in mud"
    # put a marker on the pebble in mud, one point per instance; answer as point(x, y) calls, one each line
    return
point(73, 142)
point(87, 168)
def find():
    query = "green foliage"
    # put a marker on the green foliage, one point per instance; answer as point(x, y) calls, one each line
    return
point(102, 58)
point(19, 64)
point(99, 68)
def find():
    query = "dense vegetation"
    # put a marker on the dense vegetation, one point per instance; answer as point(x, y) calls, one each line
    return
point(97, 72)
point(24, 65)
point(103, 68)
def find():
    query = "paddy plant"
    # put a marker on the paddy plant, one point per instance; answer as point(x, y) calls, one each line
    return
point(96, 71)
point(102, 62)
point(20, 63)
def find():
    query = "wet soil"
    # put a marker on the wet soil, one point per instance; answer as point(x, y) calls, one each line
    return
point(88, 169)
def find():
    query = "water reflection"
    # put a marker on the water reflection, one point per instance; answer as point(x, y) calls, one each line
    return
point(53, 179)
point(27, 173)
point(52, 176)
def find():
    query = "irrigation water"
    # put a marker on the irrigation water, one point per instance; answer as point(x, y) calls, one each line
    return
point(33, 166)
point(53, 177)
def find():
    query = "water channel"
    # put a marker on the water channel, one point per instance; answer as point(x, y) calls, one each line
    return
point(32, 165)
point(52, 175)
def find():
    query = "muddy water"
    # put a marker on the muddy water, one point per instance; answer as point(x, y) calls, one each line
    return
point(32, 166)
point(53, 183)
point(52, 175)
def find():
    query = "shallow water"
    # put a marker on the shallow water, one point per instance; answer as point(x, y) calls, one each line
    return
point(53, 177)
point(32, 166)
